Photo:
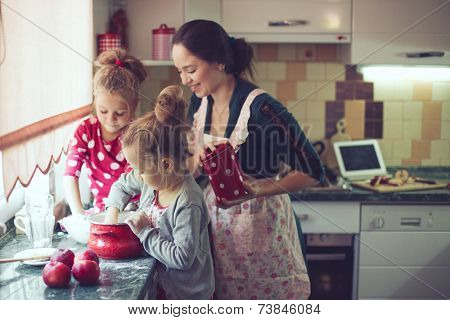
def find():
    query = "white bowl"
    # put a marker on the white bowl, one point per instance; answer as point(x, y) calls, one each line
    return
point(78, 227)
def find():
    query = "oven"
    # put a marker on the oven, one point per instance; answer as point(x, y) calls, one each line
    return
point(330, 261)
point(330, 230)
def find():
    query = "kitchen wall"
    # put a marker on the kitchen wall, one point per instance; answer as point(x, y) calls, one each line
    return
point(410, 119)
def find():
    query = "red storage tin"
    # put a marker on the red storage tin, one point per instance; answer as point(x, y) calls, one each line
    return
point(108, 41)
point(162, 42)
point(224, 172)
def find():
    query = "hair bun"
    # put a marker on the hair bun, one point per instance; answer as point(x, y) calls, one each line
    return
point(171, 107)
point(130, 63)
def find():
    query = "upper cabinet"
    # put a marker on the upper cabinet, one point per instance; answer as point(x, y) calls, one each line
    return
point(312, 21)
point(400, 32)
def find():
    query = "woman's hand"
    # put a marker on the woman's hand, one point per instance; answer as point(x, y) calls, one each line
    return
point(254, 187)
point(209, 146)
point(138, 221)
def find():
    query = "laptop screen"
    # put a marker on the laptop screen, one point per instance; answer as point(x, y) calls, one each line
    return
point(363, 157)
point(360, 159)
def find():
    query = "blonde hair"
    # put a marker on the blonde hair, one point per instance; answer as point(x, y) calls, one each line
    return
point(120, 74)
point(163, 131)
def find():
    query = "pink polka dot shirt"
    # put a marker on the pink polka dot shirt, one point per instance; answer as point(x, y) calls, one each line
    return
point(104, 160)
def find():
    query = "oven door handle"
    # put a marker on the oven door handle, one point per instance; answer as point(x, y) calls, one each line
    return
point(325, 256)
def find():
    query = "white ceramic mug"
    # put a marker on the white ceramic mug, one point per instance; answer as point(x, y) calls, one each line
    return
point(38, 221)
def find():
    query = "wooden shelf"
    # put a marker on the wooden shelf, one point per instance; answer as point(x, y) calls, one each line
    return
point(149, 63)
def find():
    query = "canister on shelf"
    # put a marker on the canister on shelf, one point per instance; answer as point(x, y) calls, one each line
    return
point(162, 42)
point(108, 41)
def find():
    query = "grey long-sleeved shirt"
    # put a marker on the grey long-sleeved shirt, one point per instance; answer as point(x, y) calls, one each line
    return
point(181, 243)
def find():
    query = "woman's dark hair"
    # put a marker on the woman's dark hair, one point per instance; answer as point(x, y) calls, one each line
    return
point(208, 41)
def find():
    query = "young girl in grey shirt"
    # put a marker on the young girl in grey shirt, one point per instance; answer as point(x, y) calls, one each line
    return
point(172, 220)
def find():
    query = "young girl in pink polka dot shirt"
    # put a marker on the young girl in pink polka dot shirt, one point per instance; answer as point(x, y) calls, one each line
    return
point(96, 142)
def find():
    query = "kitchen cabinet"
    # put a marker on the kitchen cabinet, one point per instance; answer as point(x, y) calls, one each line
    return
point(312, 21)
point(387, 31)
point(404, 252)
point(328, 217)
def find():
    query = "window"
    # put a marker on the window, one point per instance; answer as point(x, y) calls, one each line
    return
point(15, 202)
point(45, 81)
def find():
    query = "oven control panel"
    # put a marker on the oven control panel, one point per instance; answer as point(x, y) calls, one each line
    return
point(405, 217)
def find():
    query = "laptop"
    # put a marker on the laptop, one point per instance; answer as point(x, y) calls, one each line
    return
point(359, 160)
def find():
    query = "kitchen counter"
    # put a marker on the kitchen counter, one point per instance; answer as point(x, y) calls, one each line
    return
point(119, 279)
point(360, 195)
point(441, 174)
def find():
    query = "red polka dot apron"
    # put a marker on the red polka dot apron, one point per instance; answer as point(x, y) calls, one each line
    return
point(256, 246)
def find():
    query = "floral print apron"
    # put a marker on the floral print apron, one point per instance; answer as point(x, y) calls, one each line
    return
point(256, 247)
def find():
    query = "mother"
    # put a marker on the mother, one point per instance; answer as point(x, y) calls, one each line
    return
point(256, 244)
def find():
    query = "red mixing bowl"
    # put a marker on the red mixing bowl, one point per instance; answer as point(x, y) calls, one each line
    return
point(113, 241)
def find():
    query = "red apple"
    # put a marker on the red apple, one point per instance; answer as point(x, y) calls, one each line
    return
point(65, 256)
point(86, 255)
point(56, 274)
point(86, 272)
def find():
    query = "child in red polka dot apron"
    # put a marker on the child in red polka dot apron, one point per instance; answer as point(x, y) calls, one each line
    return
point(96, 141)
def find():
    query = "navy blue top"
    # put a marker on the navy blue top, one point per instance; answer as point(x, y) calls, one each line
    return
point(274, 135)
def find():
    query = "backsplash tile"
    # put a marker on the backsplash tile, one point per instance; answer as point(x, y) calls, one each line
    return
point(446, 110)
point(296, 71)
point(286, 90)
point(315, 71)
point(306, 52)
point(326, 52)
point(393, 110)
point(334, 71)
point(287, 52)
point(412, 110)
point(412, 129)
point(402, 149)
point(431, 129)
point(411, 119)
point(445, 130)
point(326, 90)
point(420, 149)
point(276, 71)
point(422, 91)
point(306, 90)
point(440, 149)
point(432, 110)
point(363, 90)
point(440, 91)
point(267, 52)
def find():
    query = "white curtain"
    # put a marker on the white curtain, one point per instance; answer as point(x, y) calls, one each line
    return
point(46, 53)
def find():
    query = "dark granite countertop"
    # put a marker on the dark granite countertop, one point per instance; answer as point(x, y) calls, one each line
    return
point(359, 195)
point(119, 279)
point(441, 174)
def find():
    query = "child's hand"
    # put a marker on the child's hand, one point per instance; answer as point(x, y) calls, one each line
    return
point(138, 221)
point(112, 215)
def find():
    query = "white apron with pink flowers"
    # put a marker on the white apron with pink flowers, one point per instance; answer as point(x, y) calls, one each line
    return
point(256, 247)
